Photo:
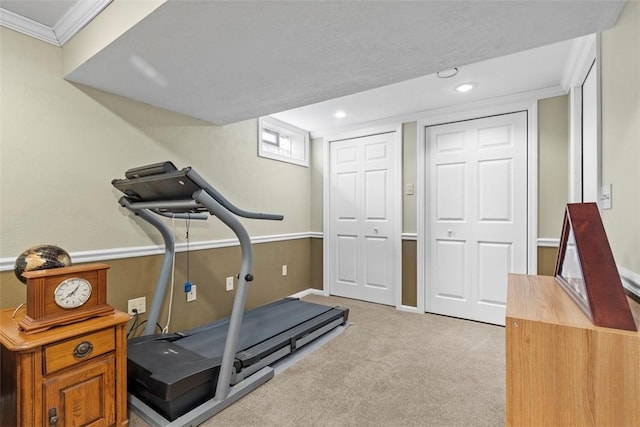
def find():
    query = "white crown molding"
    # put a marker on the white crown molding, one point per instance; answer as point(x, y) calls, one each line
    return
point(27, 26)
point(524, 98)
point(6, 264)
point(79, 15)
point(578, 62)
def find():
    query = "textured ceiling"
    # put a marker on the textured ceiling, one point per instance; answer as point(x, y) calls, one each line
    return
point(229, 61)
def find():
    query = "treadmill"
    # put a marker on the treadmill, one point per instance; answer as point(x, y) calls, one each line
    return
point(186, 377)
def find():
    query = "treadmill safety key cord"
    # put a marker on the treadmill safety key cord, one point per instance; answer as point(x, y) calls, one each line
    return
point(189, 288)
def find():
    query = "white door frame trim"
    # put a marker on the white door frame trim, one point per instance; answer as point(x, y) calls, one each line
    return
point(397, 201)
point(585, 52)
point(527, 104)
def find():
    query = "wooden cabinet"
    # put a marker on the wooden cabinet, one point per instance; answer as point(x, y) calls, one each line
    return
point(72, 375)
point(561, 370)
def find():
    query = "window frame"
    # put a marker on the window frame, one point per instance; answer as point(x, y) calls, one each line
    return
point(297, 136)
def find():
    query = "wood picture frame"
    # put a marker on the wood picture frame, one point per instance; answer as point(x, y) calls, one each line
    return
point(586, 269)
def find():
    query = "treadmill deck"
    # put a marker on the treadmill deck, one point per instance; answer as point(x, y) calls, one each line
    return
point(174, 373)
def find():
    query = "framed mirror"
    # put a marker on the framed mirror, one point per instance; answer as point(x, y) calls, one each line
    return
point(587, 271)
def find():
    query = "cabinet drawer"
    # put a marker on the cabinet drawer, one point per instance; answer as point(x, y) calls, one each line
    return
point(77, 350)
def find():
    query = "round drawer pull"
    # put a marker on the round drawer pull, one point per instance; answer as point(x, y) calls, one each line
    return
point(82, 350)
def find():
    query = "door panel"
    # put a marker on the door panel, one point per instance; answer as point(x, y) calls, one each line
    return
point(476, 214)
point(363, 225)
point(451, 192)
point(376, 195)
point(451, 280)
point(495, 192)
point(346, 260)
point(376, 261)
point(494, 263)
point(83, 397)
point(346, 187)
point(494, 136)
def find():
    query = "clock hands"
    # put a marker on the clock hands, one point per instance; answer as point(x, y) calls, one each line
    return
point(72, 293)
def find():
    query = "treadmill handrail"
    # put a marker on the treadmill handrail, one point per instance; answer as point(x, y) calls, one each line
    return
point(199, 181)
point(167, 261)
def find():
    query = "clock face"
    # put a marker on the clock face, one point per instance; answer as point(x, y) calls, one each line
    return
point(72, 292)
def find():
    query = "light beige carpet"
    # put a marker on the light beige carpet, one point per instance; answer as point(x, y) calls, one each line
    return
point(389, 368)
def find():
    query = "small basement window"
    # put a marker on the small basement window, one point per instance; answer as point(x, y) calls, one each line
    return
point(278, 140)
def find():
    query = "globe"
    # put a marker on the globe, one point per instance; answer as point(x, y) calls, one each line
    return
point(40, 257)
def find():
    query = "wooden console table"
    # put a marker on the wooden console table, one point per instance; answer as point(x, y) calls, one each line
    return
point(69, 375)
point(562, 370)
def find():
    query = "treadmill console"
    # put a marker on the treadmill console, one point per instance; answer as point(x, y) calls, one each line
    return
point(154, 169)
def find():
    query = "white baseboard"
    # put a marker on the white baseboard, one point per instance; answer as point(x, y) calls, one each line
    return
point(630, 280)
point(409, 309)
point(306, 292)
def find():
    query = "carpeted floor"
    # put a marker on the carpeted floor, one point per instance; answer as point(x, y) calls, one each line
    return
point(388, 368)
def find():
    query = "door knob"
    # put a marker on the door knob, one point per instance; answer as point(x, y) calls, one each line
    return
point(449, 232)
point(375, 230)
point(53, 417)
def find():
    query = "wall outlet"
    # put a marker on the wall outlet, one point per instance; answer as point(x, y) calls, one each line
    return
point(191, 295)
point(139, 304)
point(284, 270)
point(229, 284)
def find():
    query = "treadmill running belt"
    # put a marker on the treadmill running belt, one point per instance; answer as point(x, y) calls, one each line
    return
point(257, 325)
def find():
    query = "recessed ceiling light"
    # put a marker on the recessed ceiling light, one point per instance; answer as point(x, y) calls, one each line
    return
point(340, 114)
point(465, 87)
point(446, 74)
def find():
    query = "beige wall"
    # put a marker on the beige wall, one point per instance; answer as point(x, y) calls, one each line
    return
point(620, 54)
point(547, 261)
point(208, 269)
point(409, 176)
point(553, 170)
point(62, 145)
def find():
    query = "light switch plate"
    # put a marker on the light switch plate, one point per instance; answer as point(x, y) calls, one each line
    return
point(605, 198)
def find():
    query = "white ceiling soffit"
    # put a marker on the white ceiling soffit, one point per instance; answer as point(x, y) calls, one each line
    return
point(52, 21)
point(538, 70)
point(229, 61)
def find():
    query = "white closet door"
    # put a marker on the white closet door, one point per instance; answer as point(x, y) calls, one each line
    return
point(477, 214)
point(363, 221)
